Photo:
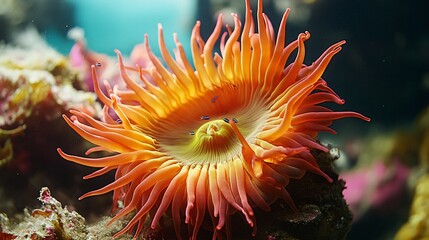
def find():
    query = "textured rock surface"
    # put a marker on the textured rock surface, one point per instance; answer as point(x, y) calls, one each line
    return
point(323, 214)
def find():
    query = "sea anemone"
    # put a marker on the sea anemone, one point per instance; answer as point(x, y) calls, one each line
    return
point(216, 136)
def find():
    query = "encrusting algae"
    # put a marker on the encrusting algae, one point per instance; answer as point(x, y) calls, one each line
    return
point(53, 221)
point(221, 134)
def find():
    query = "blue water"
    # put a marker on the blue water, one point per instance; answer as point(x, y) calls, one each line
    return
point(112, 24)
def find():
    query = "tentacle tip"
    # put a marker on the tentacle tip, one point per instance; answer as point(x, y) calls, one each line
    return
point(89, 194)
point(118, 235)
point(307, 34)
point(326, 176)
point(294, 208)
point(258, 174)
point(108, 224)
point(76, 112)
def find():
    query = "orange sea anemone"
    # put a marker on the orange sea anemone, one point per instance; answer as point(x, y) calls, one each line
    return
point(215, 136)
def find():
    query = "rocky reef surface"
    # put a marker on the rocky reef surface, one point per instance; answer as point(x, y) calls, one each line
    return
point(323, 214)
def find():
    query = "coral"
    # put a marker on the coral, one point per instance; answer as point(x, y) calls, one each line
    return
point(36, 84)
point(50, 222)
point(389, 163)
point(38, 77)
point(81, 58)
point(6, 151)
point(417, 226)
point(53, 221)
point(377, 187)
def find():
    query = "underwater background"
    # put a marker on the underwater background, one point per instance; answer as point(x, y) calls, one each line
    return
point(382, 72)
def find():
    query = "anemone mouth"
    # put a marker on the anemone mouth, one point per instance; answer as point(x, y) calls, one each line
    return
point(198, 132)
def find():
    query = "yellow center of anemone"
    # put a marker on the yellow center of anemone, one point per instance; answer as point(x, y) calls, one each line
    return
point(214, 138)
point(216, 131)
point(203, 136)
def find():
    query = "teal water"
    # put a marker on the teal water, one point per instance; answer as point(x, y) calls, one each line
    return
point(110, 25)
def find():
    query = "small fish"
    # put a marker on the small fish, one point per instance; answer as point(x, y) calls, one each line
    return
point(98, 64)
point(191, 133)
point(235, 120)
point(234, 86)
point(204, 117)
point(226, 120)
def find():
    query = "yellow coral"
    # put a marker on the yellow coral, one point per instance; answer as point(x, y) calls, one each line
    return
point(417, 226)
point(6, 151)
point(31, 94)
